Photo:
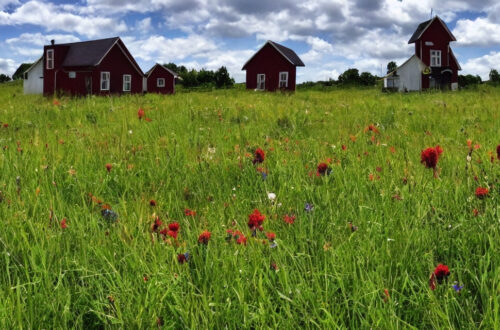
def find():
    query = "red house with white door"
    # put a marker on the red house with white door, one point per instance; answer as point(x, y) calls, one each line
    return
point(432, 45)
point(272, 67)
point(161, 80)
point(100, 67)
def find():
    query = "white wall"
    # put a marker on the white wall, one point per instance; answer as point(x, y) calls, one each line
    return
point(34, 83)
point(410, 75)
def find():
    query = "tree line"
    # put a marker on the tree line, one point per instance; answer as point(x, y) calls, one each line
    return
point(202, 78)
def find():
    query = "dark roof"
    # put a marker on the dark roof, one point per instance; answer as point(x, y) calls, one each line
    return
point(87, 53)
point(287, 53)
point(173, 73)
point(423, 26)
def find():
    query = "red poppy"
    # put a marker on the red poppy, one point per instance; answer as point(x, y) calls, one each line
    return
point(5, 125)
point(172, 233)
point(156, 225)
point(441, 272)
point(259, 156)
point(152, 202)
point(344, 147)
point(323, 169)
point(64, 225)
point(289, 218)
point(56, 102)
point(109, 167)
point(482, 192)
point(140, 113)
point(174, 226)
point(189, 213)
point(271, 236)
point(372, 128)
point(181, 258)
point(255, 220)
point(498, 151)
point(204, 237)
point(242, 240)
point(430, 156)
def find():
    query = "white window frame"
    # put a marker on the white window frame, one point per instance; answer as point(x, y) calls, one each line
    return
point(105, 77)
point(283, 81)
point(435, 58)
point(72, 74)
point(158, 80)
point(49, 64)
point(127, 79)
point(261, 81)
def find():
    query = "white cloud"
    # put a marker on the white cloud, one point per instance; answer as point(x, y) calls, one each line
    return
point(39, 39)
point(54, 18)
point(144, 26)
point(7, 66)
point(482, 65)
point(478, 32)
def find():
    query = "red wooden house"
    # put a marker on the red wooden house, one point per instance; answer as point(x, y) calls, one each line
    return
point(432, 45)
point(161, 80)
point(102, 66)
point(272, 67)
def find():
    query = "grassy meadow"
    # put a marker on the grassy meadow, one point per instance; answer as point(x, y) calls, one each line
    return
point(360, 258)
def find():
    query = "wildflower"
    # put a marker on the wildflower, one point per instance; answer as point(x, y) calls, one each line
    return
point(241, 239)
point(204, 237)
point(482, 193)
point(308, 207)
point(430, 156)
point(352, 227)
point(189, 213)
point(274, 267)
point(259, 156)
point(271, 196)
point(5, 125)
point(174, 226)
point(148, 119)
point(183, 257)
point(386, 295)
point(172, 233)
point(140, 113)
point(64, 225)
point(56, 102)
point(323, 169)
point(475, 212)
point(441, 272)
point(372, 128)
point(457, 287)
point(271, 236)
point(255, 220)
point(469, 143)
point(109, 167)
point(290, 219)
point(152, 202)
point(344, 147)
point(156, 225)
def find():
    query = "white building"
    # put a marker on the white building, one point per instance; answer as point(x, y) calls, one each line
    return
point(33, 78)
point(408, 76)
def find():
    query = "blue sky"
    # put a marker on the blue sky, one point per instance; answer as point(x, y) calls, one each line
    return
point(329, 35)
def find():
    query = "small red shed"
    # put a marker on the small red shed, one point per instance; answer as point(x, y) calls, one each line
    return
point(432, 45)
point(102, 66)
point(272, 67)
point(161, 80)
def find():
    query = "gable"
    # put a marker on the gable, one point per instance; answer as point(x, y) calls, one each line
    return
point(281, 51)
point(436, 23)
point(158, 68)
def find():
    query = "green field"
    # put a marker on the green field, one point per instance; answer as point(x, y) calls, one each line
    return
point(196, 153)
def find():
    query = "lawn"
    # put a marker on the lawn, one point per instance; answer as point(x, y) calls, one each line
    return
point(90, 192)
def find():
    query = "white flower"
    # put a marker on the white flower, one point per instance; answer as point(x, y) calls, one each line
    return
point(271, 196)
point(130, 132)
point(211, 150)
point(469, 158)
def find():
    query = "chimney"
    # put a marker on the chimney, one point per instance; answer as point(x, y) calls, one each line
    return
point(52, 42)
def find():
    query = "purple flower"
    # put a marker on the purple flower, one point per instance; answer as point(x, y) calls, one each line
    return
point(308, 207)
point(457, 287)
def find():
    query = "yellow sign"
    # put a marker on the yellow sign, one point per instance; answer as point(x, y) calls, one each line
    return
point(427, 70)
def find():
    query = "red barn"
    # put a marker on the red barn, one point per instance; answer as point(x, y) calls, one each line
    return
point(100, 67)
point(161, 80)
point(432, 45)
point(272, 67)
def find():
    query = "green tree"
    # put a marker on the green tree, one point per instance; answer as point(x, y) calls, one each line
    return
point(367, 79)
point(19, 74)
point(349, 77)
point(222, 78)
point(4, 78)
point(391, 66)
point(494, 76)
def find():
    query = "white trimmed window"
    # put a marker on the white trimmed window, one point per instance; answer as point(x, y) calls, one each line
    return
point(160, 82)
point(50, 59)
point(127, 82)
point(435, 58)
point(105, 76)
point(283, 79)
point(261, 81)
point(72, 74)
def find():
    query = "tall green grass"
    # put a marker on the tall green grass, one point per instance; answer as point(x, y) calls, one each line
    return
point(196, 153)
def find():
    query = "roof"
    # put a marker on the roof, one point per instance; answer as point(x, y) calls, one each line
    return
point(34, 64)
point(402, 65)
point(455, 59)
point(88, 53)
point(286, 52)
point(167, 69)
point(422, 27)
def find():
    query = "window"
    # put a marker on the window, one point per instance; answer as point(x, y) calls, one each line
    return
point(160, 82)
point(50, 59)
point(105, 76)
point(261, 81)
point(127, 82)
point(25, 75)
point(435, 58)
point(283, 79)
point(72, 74)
